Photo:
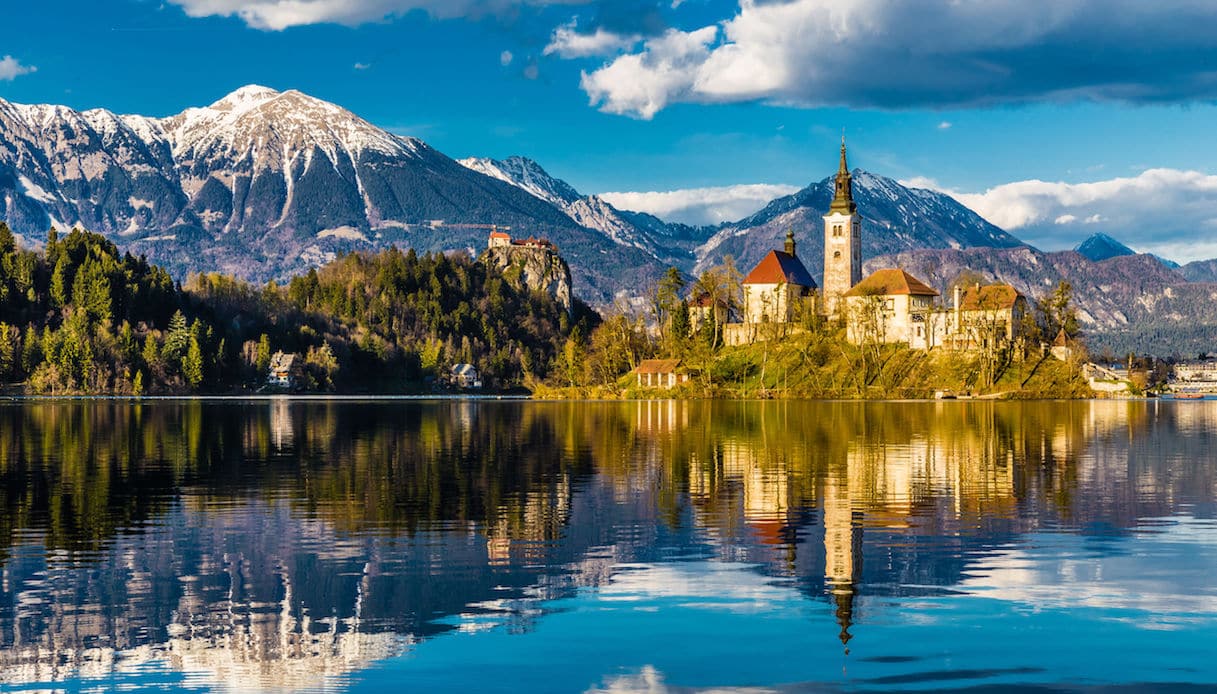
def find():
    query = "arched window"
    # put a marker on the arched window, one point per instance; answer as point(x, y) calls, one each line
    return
point(836, 254)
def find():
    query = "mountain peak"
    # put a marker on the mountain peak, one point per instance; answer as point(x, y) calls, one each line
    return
point(246, 97)
point(1102, 247)
point(527, 174)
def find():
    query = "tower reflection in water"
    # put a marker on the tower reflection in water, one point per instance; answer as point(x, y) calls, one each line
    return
point(295, 544)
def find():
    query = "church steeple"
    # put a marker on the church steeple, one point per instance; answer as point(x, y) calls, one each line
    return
point(843, 200)
point(790, 245)
point(842, 240)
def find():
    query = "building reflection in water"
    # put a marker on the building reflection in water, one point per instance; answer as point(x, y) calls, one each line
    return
point(295, 543)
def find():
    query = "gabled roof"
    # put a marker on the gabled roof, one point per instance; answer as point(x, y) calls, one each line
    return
point(780, 267)
point(658, 366)
point(989, 298)
point(1063, 340)
point(499, 235)
point(463, 369)
point(282, 361)
point(890, 282)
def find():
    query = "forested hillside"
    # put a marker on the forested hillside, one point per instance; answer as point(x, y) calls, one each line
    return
point(81, 317)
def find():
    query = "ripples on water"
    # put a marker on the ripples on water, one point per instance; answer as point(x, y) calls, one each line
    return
point(655, 546)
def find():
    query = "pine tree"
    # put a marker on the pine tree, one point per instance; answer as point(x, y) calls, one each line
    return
point(151, 352)
point(192, 365)
point(177, 339)
point(263, 362)
point(8, 344)
point(59, 282)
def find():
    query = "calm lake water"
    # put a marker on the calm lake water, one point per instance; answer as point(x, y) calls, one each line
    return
point(625, 547)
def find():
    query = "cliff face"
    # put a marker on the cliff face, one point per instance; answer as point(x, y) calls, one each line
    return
point(538, 269)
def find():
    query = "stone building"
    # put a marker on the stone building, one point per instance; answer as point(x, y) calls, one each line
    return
point(842, 240)
point(891, 306)
point(985, 316)
point(776, 286)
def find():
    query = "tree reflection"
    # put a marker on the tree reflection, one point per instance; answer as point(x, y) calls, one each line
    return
point(297, 527)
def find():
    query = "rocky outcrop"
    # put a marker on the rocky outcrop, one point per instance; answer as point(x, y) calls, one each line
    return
point(535, 268)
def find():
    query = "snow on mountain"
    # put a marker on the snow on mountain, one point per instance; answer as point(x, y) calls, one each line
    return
point(528, 175)
point(263, 183)
point(660, 240)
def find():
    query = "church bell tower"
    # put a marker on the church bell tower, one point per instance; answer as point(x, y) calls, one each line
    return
point(842, 240)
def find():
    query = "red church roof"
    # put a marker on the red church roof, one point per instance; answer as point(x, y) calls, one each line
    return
point(780, 267)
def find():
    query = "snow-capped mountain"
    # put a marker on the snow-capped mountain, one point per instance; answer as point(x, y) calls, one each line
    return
point(894, 218)
point(527, 174)
point(264, 183)
point(671, 244)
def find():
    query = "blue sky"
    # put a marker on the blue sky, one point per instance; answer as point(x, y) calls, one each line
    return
point(976, 98)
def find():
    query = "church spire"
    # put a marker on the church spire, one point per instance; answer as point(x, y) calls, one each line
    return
point(790, 245)
point(843, 200)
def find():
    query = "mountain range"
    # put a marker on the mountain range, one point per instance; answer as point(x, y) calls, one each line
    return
point(263, 184)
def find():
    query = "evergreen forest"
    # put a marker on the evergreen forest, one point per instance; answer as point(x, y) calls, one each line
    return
point(81, 317)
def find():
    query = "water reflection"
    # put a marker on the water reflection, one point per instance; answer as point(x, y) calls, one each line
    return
point(289, 544)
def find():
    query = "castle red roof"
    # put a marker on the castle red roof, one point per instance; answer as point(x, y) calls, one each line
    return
point(779, 267)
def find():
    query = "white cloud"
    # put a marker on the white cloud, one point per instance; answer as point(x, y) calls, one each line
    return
point(924, 53)
point(11, 68)
point(921, 182)
point(1169, 212)
point(277, 15)
point(945, 125)
point(701, 205)
point(505, 58)
point(643, 83)
point(362, 66)
point(567, 42)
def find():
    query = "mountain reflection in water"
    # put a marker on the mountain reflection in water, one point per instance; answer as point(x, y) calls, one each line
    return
point(301, 545)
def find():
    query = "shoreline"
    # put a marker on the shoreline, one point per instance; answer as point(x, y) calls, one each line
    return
point(131, 399)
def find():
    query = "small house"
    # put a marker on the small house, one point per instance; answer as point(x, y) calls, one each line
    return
point(661, 373)
point(1065, 347)
point(284, 370)
point(465, 376)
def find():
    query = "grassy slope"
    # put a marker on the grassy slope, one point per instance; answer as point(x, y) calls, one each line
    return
point(825, 366)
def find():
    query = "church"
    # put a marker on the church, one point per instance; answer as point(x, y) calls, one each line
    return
point(889, 306)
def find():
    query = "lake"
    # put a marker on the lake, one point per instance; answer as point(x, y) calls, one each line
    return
point(272, 545)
